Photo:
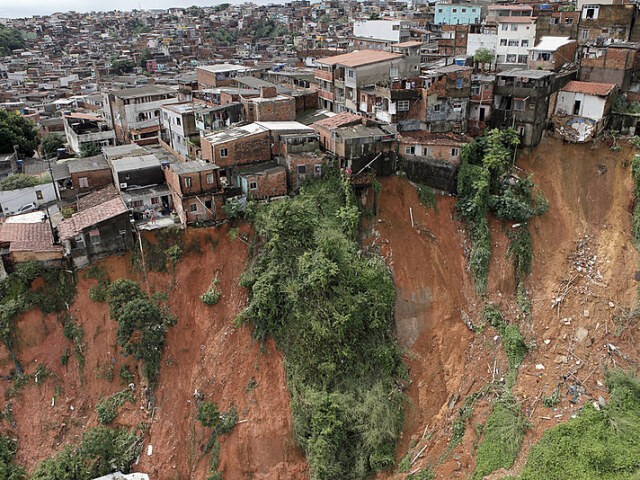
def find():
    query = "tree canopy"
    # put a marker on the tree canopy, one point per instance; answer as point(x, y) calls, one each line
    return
point(17, 130)
point(51, 143)
point(90, 149)
point(10, 40)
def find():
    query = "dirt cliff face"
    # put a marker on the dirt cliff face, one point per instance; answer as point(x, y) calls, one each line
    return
point(582, 255)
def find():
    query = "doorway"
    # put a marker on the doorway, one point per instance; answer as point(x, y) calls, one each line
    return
point(576, 107)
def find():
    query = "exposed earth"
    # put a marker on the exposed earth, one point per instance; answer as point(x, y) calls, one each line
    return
point(583, 262)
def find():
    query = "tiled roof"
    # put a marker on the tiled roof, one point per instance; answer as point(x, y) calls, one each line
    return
point(516, 19)
point(91, 216)
point(422, 137)
point(589, 88)
point(339, 120)
point(97, 197)
point(359, 57)
point(28, 237)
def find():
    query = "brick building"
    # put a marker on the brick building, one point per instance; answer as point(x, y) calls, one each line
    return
point(269, 107)
point(262, 181)
point(196, 191)
point(89, 173)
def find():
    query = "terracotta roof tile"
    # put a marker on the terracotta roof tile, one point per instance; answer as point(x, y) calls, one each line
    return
point(91, 216)
point(97, 197)
point(589, 88)
point(28, 237)
point(359, 57)
point(340, 120)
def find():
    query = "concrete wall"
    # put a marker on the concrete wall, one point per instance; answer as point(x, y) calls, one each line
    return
point(476, 41)
point(455, 14)
point(12, 200)
point(392, 30)
point(591, 106)
point(431, 172)
point(95, 178)
point(250, 149)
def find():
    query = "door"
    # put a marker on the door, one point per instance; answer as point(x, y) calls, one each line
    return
point(576, 107)
point(481, 114)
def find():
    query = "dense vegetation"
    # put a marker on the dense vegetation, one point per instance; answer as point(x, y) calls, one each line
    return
point(17, 130)
point(484, 185)
point(143, 323)
point(268, 29)
point(102, 451)
point(10, 40)
point(329, 308)
point(89, 149)
point(20, 180)
point(221, 424)
point(597, 445)
point(8, 469)
point(17, 297)
point(51, 143)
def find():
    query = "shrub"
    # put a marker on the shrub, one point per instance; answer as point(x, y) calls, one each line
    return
point(107, 408)
point(213, 293)
point(427, 197)
point(208, 415)
point(8, 469)
point(126, 376)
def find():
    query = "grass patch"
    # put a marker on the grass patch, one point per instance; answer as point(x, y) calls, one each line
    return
point(213, 293)
point(597, 445)
point(427, 197)
point(503, 434)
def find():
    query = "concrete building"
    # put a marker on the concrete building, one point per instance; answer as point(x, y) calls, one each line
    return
point(582, 109)
point(28, 237)
point(552, 53)
point(342, 78)
point(617, 63)
point(515, 36)
point(135, 113)
point(482, 37)
point(269, 107)
point(395, 31)
point(522, 99)
point(497, 13)
point(89, 173)
point(456, 14)
point(179, 128)
point(262, 181)
point(81, 129)
point(447, 92)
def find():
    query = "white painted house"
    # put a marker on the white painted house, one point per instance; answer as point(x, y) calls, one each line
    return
point(396, 31)
point(515, 36)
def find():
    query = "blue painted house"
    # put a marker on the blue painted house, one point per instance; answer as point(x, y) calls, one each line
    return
point(456, 14)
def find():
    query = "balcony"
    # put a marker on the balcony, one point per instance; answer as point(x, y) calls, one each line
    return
point(326, 95)
point(324, 75)
point(383, 115)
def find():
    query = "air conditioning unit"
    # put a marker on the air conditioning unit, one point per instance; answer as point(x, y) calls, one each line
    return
point(123, 185)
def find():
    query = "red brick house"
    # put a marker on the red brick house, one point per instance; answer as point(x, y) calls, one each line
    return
point(196, 191)
point(90, 173)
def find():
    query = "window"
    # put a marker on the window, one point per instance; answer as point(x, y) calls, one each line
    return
point(459, 83)
point(155, 200)
point(457, 106)
point(410, 150)
point(364, 97)
point(568, 21)
point(590, 13)
point(455, 10)
point(455, 152)
point(39, 195)
point(436, 108)
point(79, 241)
point(396, 27)
point(207, 204)
point(224, 152)
point(350, 73)
point(475, 90)
point(553, 20)
point(193, 207)
point(317, 169)
point(518, 105)
point(95, 237)
point(253, 185)
point(520, 129)
point(136, 204)
point(178, 121)
point(505, 26)
point(503, 42)
point(302, 169)
point(439, 10)
point(514, 27)
point(524, 43)
point(210, 178)
point(187, 182)
point(512, 58)
point(522, 59)
point(585, 33)
point(403, 105)
point(84, 182)
point(514, 43)
point(464, 10)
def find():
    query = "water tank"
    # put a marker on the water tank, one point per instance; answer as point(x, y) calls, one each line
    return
point(460, 62)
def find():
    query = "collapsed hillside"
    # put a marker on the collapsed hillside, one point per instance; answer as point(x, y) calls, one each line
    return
point(581, 289)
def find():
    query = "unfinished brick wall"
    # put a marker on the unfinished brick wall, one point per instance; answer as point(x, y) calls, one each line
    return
point(96, 179)
point(251, 149)
point(270, 184)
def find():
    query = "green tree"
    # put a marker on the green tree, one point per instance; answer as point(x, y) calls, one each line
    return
point(10, 40)
point(8, 469)
point(483, 55)
point(17, 130)
point(374, 16)
point(51, 143)
point(144, 56)
point(90, 149)
point(120, 67)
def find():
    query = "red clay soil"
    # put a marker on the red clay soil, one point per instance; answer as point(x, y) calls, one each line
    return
point(588, 188)
point(204, 352)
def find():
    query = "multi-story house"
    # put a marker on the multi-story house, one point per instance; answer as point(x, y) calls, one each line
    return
point(551, 53)
point(456, 13)
point(600, 24)
point(196, 190)
point(179, 128)
point(515, 36)
point(447, 92)
point(522, 99)
point(81, 129)
point(392, 31)
point(617, 63)
point(342, 79)
point(135, 113)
